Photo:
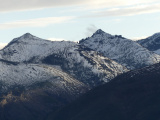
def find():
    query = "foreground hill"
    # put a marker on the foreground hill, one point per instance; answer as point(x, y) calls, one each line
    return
point(124, 51)
point(132, 96)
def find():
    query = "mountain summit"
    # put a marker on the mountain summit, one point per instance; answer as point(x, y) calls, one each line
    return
point(99, 31)
point(120, 49)
point(27, 35)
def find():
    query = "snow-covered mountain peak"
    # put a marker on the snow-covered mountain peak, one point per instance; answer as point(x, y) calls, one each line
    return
point(25, 38)
point(100, 32)
point(93, 68)
point(28, 46)
point(120, 49)
point(28, 35)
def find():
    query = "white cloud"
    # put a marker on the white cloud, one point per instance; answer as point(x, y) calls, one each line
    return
point(2, 45)
point(99, 4)
point(14, 5)
point(127, 11)
point(40, 22)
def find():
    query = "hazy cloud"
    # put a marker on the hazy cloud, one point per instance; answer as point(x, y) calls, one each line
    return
point(90, 30)
point(40, 22)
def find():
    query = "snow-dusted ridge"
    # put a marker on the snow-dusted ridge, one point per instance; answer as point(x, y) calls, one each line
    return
point(152, 43)
point(28, 74)
point(25, 54)
point(38, 76)
point(27, 46)
point(122, 50)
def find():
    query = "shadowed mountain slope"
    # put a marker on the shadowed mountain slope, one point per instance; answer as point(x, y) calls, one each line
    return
point(132, 96)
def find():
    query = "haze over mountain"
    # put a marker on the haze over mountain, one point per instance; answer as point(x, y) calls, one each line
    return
point(152, 43)
point(124, 51)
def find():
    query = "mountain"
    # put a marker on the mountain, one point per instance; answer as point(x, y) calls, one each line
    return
point(38, 76)
point(120, 49)
point(152, 43)
point(93, 68)
point(31, 48)
point(131, 96)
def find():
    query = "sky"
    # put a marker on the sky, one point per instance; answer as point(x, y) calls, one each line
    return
point(77, 19)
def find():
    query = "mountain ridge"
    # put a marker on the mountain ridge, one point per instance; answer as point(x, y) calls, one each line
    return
point(152, 43)
point(122, 50)
point(39, 50)
point(40, 76)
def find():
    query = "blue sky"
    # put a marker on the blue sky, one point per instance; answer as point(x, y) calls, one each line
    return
point(75, 19)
